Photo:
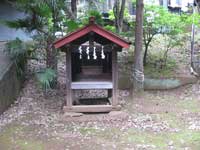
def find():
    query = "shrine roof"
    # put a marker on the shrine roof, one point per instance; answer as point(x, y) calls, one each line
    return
point(99, 34)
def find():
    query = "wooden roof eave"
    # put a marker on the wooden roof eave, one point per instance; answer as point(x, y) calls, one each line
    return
point(92, 28)
point(108, 47)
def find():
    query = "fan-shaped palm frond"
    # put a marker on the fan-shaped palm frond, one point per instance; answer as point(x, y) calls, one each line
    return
point(46, 77)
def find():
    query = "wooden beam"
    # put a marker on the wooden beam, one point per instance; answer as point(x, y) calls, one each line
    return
point(68, 78)
point(92, 85)
point(107, 48)
point(91, 108)
point(114, 78)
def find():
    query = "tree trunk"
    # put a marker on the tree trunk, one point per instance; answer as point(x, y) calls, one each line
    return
point(121, 15)
point(52, 55)
point(138, 75)
point(145, 55)
point(52, 60)
point(147, 42)
point(161, 2)
point(197, 3)
point(118, 10)
point(74, 8)
point(71, 10)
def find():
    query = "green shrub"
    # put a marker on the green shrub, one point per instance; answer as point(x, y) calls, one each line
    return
point(110, 28)
point(158, 68)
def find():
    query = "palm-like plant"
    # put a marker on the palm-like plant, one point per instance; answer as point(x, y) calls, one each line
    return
point(42, 19)
point(46, 78)
point(19, 52)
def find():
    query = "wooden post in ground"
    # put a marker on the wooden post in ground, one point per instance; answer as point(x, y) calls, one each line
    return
point(68, 79)
point(114, 78)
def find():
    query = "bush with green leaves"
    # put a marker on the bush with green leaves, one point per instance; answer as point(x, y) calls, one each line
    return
point(43, 18)
point(95, 13)
point(110, 28)
point(158, 20)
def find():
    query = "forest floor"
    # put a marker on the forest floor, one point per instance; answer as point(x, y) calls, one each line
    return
point(151, 120)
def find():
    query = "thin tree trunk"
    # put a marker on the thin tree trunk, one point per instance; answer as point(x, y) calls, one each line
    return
point(138, 76)
point(52, 60)
point(74, 8)
point(145, 55)
point(71, 11)
point(118, 10)
point(147, 42)
point(192, 37)
point(121, 15)
point(161, 2)
point(51, 52)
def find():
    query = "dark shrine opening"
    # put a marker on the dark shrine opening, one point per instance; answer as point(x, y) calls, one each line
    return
point(92, 63)
point(92, 70)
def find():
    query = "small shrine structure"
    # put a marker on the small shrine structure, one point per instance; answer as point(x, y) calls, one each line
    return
point(91, 64)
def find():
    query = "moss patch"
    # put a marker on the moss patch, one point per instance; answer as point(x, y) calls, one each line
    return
point(138, 137)
point(186, 138)
point(172, 119)
point(190, 105)
point(180, 140)
point(11, 138)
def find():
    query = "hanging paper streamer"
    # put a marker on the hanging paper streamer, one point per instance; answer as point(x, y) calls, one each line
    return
point(88, 52)
point(102, 53)
point(80, 52)
point(94, 53)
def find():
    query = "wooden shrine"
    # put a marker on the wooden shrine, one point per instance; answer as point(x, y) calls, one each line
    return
point(91, 63)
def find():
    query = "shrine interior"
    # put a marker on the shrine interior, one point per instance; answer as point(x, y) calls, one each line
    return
point(91, 63)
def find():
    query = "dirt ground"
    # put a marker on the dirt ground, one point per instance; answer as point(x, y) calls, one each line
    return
point(151, 120)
